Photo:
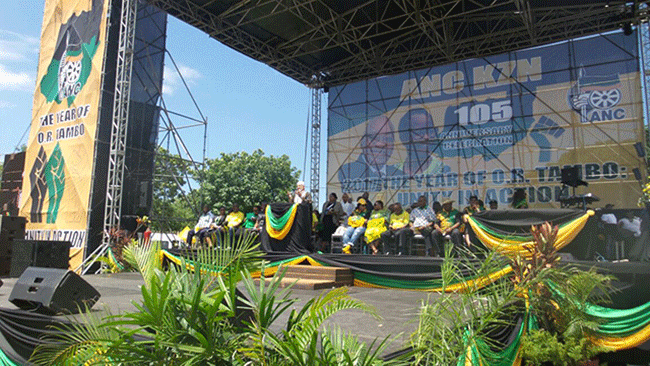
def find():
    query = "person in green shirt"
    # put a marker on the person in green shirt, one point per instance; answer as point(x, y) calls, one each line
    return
point(448, 225)
point(251, 218)
point(399, 234)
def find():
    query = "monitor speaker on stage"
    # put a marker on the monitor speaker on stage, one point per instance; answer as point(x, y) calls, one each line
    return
point(53, 291)
point(571, 177)
point(39, 253)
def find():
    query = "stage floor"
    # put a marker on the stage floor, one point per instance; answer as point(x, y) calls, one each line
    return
point(398, 308)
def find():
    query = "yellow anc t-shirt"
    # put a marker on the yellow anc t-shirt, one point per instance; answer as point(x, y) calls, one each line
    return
point(234, 218)
point(399, 221)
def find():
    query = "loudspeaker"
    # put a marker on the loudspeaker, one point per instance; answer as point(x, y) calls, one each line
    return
point(52, 291)
point(571, 177)
point(39, 253)
point(11, 228)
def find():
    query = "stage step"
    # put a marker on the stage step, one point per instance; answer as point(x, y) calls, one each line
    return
point(306, 277)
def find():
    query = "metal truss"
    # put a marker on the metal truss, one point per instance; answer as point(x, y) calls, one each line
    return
point(348, 41)
point(316, 98)
point(644, 40)
point(121, 102)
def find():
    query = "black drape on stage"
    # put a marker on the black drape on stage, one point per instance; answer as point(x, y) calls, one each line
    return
point(298, 240)
point(511, 222)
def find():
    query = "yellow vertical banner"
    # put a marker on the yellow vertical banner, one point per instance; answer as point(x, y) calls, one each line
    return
point(60, 153)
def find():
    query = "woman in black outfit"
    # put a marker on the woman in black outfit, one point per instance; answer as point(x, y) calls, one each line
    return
point(330, 219)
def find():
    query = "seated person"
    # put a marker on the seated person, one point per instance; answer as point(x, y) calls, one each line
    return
point(234, 220)
point(422, 220)
point(448, 224)
point(377, 224)
point(398, 231)
point(202, 226)
point(260, 221)
point(251, 219)
point(218, 226)
point(356, 226)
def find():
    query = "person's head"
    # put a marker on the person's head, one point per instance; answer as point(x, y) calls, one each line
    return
point(332, 197)
point(235, 207)
point(518, 195)
point(222, 210)
point(629, 214)
point(365, 195)
point(473, 200)
point(300, 185)
point(377, 143)
point(206, 208)
point(391, 207)
point(422, 202)
point(417, 133)
point(447, 205)
point(361, 207)
point(436, 206)
point(397, 208)
point(256, 210)
point(494, 205)
point(609, 206)
point(379, 205)
point(345, 198)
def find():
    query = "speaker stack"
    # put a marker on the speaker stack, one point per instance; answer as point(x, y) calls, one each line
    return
point(53, 291)
point(39, 253)
point(11, 228)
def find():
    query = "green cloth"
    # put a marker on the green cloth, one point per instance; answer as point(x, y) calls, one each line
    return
point(278, 223)
point(249, 222)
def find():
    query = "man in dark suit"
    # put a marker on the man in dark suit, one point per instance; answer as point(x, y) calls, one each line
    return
point(369, 171)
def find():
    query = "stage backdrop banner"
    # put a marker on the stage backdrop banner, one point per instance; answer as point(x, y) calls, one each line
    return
point(489, 125)
point(60, 152)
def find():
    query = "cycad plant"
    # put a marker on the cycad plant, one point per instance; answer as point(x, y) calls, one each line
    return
point(484, 320)
point(193, 314)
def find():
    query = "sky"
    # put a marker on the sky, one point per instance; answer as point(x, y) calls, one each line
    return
point(248, 105)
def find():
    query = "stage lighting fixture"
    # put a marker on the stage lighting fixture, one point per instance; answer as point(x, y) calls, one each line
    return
point(627, 29)
point(640, 152)
point(637, 173)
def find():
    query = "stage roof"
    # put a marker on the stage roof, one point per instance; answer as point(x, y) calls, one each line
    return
point(330, 42)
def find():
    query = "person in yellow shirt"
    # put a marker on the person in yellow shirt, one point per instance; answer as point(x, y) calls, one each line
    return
point(398, 232)
point(234, 220)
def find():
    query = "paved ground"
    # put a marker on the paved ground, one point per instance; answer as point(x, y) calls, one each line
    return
point(398, 308)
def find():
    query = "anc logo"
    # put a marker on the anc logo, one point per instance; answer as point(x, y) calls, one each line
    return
point(596, 97)
point(71, 64)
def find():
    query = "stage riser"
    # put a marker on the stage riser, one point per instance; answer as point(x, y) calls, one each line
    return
point(315, 277)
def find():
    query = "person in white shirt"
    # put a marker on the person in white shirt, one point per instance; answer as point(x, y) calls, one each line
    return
point(202, 226)
point(348, 207)
point(300, 195)
point(630, 225)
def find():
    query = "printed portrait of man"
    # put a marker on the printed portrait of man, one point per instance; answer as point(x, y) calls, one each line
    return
point(369, 171)
point(420, 137)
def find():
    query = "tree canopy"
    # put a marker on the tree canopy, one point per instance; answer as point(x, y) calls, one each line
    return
point(247, 179)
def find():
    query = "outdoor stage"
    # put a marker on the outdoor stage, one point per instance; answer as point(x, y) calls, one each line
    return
point(397, 307)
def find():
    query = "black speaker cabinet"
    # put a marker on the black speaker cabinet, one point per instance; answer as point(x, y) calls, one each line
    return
point(39, 253)
point(11, 228)
point(52, 291)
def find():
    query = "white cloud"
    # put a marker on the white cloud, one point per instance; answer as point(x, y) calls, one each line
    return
point(10, 80)
point(6, 105)
point(16, 47)
point(172, 79)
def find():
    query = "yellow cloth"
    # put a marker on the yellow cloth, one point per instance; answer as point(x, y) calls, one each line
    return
point(376, 226)
point(399, 221)
point(356, 219)
point(235, 218)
